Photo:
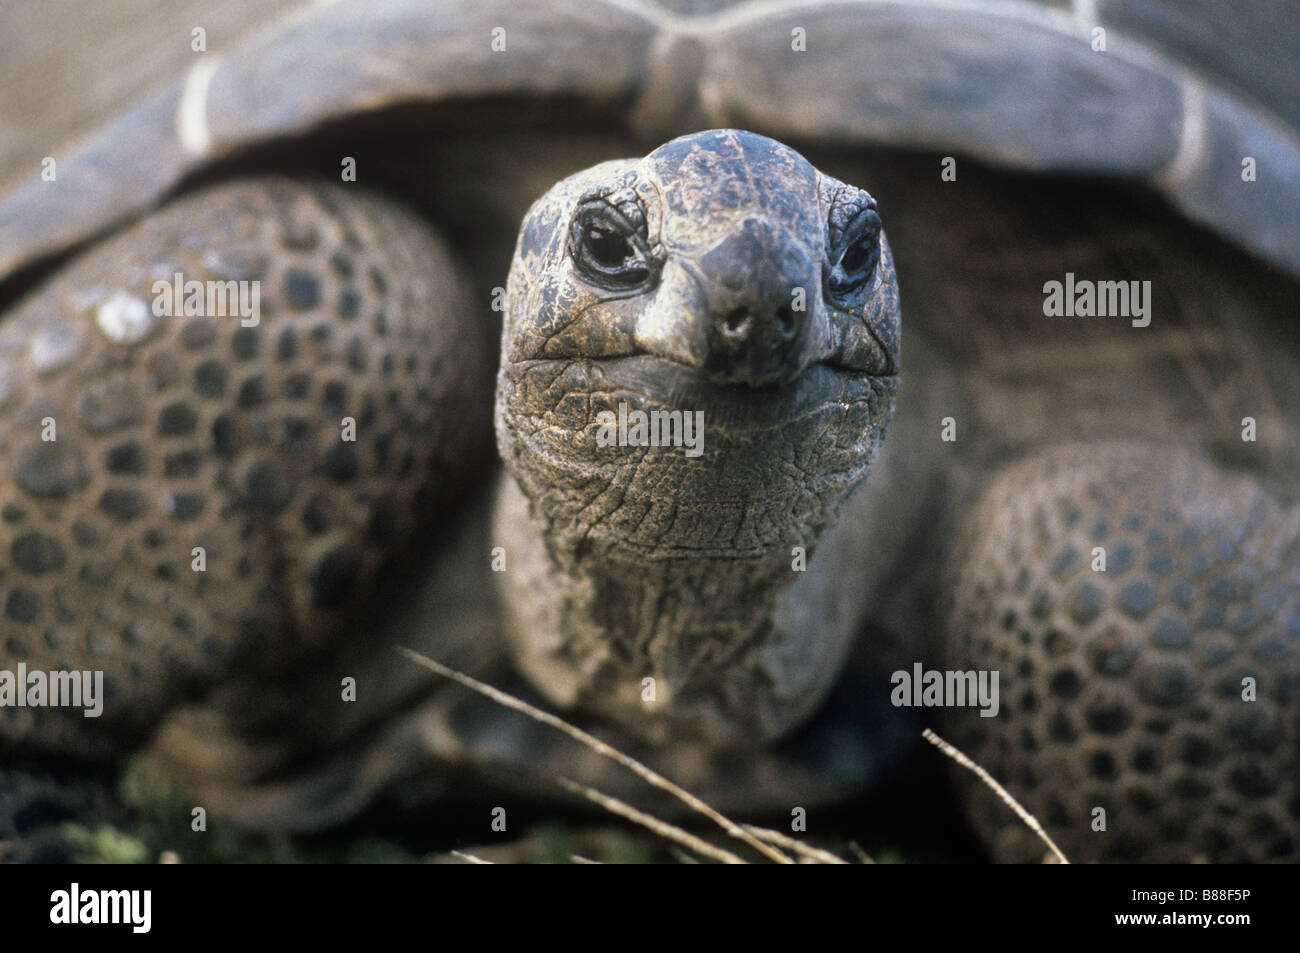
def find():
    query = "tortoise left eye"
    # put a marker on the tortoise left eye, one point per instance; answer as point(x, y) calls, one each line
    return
point(856, 258)
point(861, 252)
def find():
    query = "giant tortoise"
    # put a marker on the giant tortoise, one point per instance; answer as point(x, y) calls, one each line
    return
point(249, 324)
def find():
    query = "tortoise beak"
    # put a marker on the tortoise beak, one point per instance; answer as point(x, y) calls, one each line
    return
point(743, 312)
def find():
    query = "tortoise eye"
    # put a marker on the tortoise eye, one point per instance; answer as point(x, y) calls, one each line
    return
point(856, 257)
point(607, 247)
point(859, 253)
point(607, 250)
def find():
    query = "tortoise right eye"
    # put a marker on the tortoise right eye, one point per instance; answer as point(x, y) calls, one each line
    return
point(607, 250)
point(607, 247)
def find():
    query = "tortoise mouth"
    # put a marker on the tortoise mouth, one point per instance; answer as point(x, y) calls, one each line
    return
point(648, 456)
point(680, 386)
point(650, 382)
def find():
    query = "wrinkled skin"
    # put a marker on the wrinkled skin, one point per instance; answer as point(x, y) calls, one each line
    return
point(720, 232)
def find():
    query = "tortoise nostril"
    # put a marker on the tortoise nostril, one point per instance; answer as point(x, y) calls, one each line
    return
point(785, 322)
point(736, 321)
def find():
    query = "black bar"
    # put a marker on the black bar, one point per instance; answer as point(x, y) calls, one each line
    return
point(455, 905)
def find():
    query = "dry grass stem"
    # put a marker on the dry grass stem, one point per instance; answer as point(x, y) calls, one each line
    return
point(648, 775)
point(862, 855)
point(798, 846)
point(1030, 821)
point(662, 828)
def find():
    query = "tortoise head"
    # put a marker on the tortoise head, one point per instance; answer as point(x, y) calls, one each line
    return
point(718, 309)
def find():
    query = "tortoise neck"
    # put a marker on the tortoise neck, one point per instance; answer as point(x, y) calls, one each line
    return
point(670, 647)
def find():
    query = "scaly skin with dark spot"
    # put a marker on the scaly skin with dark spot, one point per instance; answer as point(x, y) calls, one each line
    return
point(206, 433)
point(1125, 689)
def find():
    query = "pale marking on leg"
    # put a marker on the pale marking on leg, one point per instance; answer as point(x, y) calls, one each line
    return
point(192, 113)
